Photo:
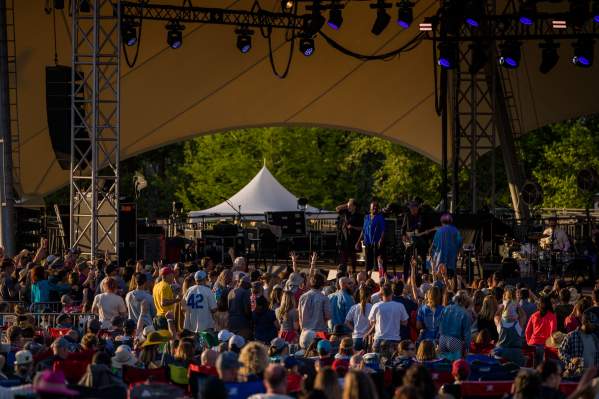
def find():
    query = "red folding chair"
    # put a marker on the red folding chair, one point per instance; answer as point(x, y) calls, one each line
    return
point(133, 375)
point(58, 332)
point(568, 388)
point(485, 388)
point(73, 370)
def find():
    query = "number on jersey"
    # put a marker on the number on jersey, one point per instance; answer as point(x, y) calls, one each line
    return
point(195, 301)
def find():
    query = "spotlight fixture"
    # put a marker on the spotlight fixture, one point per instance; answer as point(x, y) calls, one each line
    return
point(478, 57)
point(510, 54)
point(128, 33)
point(405, 13)
point(474, 12)
point(315, 21)
point(335, 16)
point(595, 11)
point(306, 45)
point(174, 34)
point(448, 55)
point(549, 56)
point(286, 5)
point(584, 52)
point(244, 39)
point(382, 17)
point(528, 9)
point(58, 4)
point(84, 6)
point(579, 12)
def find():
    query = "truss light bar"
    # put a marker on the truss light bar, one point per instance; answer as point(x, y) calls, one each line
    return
point(244, 39)
point(306, 45)
point(335, 18)
point(448, 55)
point(510, 54)
point(426, 27)
point(174, 35)
point(382, 17)
point(528, 9)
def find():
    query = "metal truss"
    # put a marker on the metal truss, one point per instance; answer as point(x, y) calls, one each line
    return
point(95, 127)
point(473, 134)
point(218, 16)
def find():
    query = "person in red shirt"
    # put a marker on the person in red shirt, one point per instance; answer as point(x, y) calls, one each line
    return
point(541, 325)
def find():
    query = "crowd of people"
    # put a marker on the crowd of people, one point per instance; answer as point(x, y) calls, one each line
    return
point(233, 331)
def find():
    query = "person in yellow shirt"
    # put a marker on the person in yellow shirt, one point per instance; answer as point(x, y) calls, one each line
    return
point(164, 297)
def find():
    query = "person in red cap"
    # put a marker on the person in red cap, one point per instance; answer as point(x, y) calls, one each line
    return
point(164, 297)
point(460, 370)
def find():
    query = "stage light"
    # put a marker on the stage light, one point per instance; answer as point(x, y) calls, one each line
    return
point(595, 11)
point(510, 54)
point(474, 12)
point(174, 35)
point(335, 17)
point(405, 13)
point(306, 45)
point(128, 33)
point(382, 17)
point(448, 55)
point(579, 12)
point(528, 9)
point(84, 6)
point(549, 56)
point(584, 52)
point(478, 57)
point(244, 39)
point(286, 5)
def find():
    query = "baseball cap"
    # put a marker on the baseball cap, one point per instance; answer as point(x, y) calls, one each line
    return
point(278, 343)
point(23, 357)
point(227, 361)
point(460, 367)
point(237, 341)
point(166, 271)
point(323, 345)
point(224, 335)
point(306, 338)
point(290, 361)
point(200, 275)
point(371, 360)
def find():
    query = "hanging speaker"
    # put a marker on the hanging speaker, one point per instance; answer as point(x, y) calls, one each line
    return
point(531, 193)
point(587, 180)
point(58, 111)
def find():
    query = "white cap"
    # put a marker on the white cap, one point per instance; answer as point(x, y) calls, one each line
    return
point(224, 335)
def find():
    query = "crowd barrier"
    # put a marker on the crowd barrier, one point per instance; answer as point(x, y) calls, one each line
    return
point(48, 321)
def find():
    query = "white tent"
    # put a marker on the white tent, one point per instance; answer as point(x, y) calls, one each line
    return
point(262, 194)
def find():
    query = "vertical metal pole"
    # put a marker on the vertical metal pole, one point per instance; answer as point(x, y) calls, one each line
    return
point(6, 187)
point(444, 134)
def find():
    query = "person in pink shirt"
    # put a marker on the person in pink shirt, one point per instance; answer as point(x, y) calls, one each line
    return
point(540, 326)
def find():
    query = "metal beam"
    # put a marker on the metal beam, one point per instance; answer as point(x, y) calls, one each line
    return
point(95, 128)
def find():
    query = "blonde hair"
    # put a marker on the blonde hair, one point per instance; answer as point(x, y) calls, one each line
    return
point(287, 304)
point(426, 351)
point(489, 308)
point(358, 385)
point(253, 359)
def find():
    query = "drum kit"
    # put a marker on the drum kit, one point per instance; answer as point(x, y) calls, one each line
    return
point(533, 258)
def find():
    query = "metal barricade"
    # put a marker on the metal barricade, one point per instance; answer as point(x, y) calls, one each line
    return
point(46, 307)
point(45, 321)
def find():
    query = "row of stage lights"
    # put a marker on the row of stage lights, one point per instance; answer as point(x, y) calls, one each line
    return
point(471, 12)
point(405, 17)
point(510, 54)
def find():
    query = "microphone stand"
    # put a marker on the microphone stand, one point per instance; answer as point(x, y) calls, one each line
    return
point(237, 211)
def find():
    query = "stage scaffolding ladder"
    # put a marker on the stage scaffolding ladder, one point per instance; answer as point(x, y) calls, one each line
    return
point(12, 94)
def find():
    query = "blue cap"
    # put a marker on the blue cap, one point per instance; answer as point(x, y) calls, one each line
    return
point(323, 345)
point(290, 361)
point(200, 275)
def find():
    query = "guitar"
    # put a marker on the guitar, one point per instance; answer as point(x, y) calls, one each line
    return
point(410, 235)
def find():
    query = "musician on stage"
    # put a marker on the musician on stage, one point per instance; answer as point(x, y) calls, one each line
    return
point(555, 238)
point(351, 225)
point(413, 234)
point(373, 232)
point(447, 243)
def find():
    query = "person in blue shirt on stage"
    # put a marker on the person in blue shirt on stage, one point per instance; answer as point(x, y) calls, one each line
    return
point(446, 245)
point(373, 232)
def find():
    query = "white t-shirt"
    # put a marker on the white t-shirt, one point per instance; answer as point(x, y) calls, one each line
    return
point(109, 305)
point(376, 297)
point(200, 302)
point(359, 320)
point(387, 317)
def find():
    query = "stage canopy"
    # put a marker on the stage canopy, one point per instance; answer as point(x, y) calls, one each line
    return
point(208, 86)
point(262, 194)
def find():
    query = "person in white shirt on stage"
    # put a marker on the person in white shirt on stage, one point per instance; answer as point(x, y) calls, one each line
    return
point(555, 238)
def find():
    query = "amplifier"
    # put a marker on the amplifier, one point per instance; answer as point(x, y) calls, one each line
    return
point(291, 223)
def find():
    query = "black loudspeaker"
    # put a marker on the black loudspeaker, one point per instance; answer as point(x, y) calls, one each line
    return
point(127, 231)
point(291, 223)
point(58, 111)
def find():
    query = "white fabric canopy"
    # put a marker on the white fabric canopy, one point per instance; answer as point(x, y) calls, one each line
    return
point(262, 194)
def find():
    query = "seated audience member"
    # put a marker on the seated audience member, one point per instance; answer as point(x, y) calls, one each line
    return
point(275, 381)
point(581, 343)
point(551, 376)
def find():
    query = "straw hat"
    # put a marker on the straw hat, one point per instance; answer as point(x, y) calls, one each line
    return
point(154, 338)
point(555, 340)
point(123, 356)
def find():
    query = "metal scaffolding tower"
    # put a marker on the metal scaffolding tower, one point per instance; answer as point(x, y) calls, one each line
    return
point(95, 126)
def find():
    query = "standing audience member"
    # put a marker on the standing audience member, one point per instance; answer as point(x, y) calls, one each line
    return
point(357, 319)
point(454, 328)
point(341, 301)
point(240, 314)
point(314, 307)
point(108, 305)
point(164, 296)
point(275, 381)
point(199, 305)
point(386, 318)
point(134, 299)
